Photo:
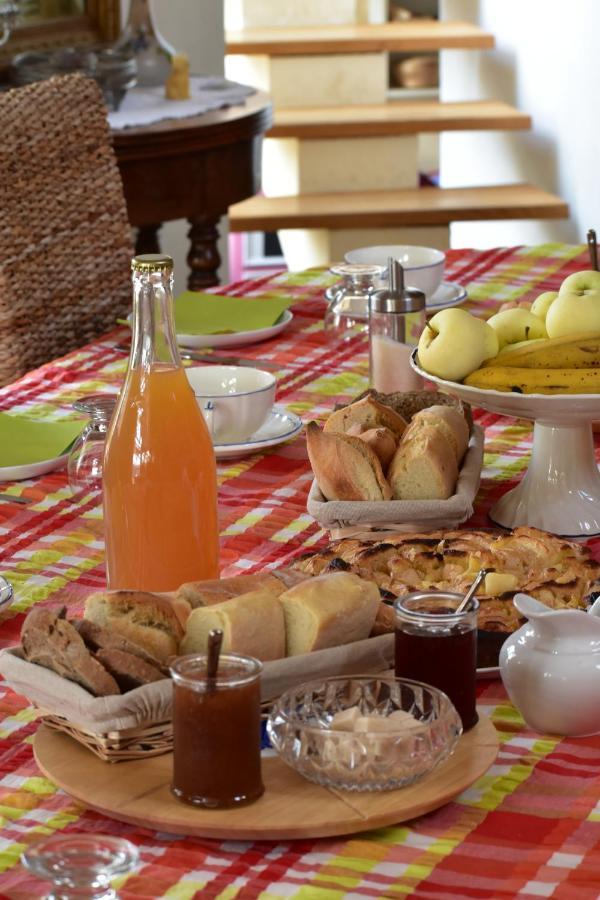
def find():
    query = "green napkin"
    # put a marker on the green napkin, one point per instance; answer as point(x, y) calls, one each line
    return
point(24, 441)
point(197, 313)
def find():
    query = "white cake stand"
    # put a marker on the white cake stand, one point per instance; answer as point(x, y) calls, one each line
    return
point(560, 492)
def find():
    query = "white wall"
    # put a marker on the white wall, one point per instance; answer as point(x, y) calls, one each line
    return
point(194, 27)
point(547, 63)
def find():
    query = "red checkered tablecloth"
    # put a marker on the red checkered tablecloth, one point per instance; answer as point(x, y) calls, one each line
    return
point(530, 827)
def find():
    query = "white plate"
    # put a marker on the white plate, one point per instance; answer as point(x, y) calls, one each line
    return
point(279, 427)
point(233, 339)
point(32, 470)
point(448, 294)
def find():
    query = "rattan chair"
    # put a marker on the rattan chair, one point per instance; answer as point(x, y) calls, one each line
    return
point(65, 241)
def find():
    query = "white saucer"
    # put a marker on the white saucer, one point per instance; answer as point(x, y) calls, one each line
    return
point(32, 470)
point(279, 427)
point(448, 294)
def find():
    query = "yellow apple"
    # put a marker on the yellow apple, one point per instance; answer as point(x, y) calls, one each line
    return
point(576, 310)
point(519, 345)
point(542, 304)
point(515, 325)
point(455, 343)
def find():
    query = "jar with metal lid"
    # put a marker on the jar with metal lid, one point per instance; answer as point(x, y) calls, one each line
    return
point(348, 310)
point(396, 320)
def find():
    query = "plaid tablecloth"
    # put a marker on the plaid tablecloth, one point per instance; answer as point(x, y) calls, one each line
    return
point(530, 827)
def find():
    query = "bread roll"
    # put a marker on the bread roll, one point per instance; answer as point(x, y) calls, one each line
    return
point(145, 619)
point(383, 442)
point(424, 466)
point(252, 624)
point(369, 413)
point(345, 467)
point(328, 611)
point(452, 424)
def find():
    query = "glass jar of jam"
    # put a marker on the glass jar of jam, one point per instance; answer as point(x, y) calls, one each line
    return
point(437, 645)
point(216, 731)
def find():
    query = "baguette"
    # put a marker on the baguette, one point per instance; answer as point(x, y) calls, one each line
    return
point(345, 467)
point(206, 593)
point(328, 611)
point(252, 624)
point(369, 413)
point(410, 403)
point(424, 466)
point(148, 620)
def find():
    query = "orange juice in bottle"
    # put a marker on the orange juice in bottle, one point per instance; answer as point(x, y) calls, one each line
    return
point(159, 482)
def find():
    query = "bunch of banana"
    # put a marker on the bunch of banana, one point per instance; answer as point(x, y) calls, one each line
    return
point(576, 351)
point(536, 381)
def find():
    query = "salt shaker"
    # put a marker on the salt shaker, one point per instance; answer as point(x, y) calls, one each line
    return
point(396, 320)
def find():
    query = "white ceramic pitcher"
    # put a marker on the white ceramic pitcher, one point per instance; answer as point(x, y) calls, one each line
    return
point(551, 668)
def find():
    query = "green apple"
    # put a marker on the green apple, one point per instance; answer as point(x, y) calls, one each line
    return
point(515, 325)
point(454, 343)
point(576, 310)
point(542, 304)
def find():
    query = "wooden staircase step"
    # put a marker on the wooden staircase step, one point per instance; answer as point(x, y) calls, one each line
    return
point(413, 36)
point(396, 118)
point(380, 209)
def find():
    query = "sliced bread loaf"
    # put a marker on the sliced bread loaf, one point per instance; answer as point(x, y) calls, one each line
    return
point(369, 413)
point(424, 466)
point(451, 423)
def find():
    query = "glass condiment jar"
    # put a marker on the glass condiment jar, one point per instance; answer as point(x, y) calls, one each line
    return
point(348, 311)
point(159, 485)
point(86, 459)
point(396, 320)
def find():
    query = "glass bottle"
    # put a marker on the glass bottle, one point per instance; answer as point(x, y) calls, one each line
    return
point(144, 42)
point(159, 485)
point(396, 320)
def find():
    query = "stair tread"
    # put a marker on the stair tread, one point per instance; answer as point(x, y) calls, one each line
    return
point(396, 117)
point(415, 206)
point(414, 35)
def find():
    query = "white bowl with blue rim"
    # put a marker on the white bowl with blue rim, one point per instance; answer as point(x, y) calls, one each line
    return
point(235, 400)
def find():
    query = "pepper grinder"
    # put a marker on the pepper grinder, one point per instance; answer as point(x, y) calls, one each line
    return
point(396, 320)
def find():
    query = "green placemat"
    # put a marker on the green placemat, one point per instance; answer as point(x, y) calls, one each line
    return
point(197, 313)
point(24, 441)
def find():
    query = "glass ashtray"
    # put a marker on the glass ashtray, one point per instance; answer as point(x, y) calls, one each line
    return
point(299, 729)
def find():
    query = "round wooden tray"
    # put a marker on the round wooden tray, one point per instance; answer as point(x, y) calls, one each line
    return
point(138, 792)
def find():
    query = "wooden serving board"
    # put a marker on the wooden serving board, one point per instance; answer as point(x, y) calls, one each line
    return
point(138, 792)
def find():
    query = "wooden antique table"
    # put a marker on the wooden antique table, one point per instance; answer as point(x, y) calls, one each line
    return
point(193, 168)
point(529, 827)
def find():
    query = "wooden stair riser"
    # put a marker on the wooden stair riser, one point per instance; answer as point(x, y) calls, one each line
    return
point(299, 13)
point(304, 248)
point(353, 164)
point(296, 81)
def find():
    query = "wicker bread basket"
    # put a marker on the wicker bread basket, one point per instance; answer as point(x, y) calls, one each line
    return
point(137, 725)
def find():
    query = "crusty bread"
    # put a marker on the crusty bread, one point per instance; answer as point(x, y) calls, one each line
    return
point(128, 670)
point(424, 466)
point(451, 422)
point(345, 467)
point(252, 624)
point(369, 413)
point(383, 442)
point(407, 404)
point(145, 619)
point(51, 641)
point(206, 593)
point(328, 611)
point(98, 638)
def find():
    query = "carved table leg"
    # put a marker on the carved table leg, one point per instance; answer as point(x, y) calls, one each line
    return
point(147, 239)
point(203, 258)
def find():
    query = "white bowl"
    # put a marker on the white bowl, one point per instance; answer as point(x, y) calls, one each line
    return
point(423, 266)
point(235, 400)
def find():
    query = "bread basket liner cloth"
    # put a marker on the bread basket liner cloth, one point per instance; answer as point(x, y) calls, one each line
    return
point(408, 513)
point(152, 702)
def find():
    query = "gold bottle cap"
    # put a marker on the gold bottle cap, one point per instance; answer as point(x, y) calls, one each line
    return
point(152, 262)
